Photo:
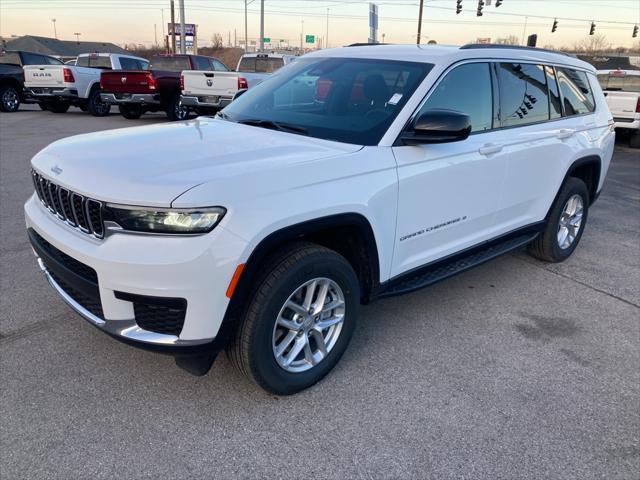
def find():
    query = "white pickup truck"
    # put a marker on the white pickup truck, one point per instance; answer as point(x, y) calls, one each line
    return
point(57, 87)
point(206, 91)
point(255, 67)
point(622, 92)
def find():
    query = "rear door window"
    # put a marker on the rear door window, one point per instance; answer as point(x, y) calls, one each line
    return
point(465, 89)
point(523, 94)
point(577, 96)
point(132, 64)
point(202, 63)
point(219, 66)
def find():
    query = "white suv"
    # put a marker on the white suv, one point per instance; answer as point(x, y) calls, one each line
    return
point(353, 174)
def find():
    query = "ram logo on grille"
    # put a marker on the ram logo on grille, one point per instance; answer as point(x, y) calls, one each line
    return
point(80, 212)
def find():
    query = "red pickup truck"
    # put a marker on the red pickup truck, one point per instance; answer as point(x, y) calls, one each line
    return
point(136, 92)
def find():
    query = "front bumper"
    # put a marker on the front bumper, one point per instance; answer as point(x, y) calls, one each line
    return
point(51, 93)
point(130, 98)
point(197, 269)
point(205, 101)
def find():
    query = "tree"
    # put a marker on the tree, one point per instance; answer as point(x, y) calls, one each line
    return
point(593, 45)
point(217, 41)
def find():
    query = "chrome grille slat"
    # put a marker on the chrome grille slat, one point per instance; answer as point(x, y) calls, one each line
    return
point(78, 211)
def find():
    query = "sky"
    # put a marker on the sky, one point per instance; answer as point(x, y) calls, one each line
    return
point(141, 21)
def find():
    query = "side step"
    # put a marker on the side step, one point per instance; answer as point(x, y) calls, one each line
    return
point(453, 265)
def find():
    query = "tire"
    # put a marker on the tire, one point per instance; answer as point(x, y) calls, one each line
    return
point(96, 106)
point(9, 99)
point(634, 140)
point(547, 246)
point(131, 112)
point(58, 106)
point(289, 272)
point(43, 106)
point(176, 111)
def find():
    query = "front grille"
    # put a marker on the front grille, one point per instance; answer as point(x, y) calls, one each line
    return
point(91, 303)
point(80, 212)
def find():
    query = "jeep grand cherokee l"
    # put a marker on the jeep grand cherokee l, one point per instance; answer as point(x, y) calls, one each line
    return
point(353, 174)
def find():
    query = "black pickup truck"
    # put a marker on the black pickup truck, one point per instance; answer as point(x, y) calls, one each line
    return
point(12, 76)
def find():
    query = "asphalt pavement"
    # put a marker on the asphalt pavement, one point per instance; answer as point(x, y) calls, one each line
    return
point(515, 370)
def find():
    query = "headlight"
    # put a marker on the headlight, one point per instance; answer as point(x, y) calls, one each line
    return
point(200, 220)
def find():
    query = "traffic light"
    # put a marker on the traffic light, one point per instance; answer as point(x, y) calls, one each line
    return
point(498, 3)
point(458, 6)
point(555, 26)
point(480, 5)
point(592, 30)
point(635, 31)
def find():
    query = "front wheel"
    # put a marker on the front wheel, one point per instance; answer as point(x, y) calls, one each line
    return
point(299, 320)
point(565, 224)
point(9, 99)
point(176, 110)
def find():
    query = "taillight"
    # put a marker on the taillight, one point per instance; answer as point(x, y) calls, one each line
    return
point(151, 81)
point(181, 82)
point(638, 106)
point(242, 83)
point(68, 75)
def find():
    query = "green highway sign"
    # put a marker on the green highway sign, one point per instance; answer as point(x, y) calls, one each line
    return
point(310, 39)
point(266, 40)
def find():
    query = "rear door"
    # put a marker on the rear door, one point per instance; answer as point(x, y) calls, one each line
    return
point(449, 192)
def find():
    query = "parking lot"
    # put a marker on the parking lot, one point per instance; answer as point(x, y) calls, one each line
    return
point(517, 369)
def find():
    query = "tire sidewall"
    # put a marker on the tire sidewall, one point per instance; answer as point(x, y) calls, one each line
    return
point(94, 105)
point(262, 360)
point(572, 187)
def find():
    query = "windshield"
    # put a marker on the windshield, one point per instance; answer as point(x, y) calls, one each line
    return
point(619, 81)
point(260, 64)
point(171, 64)
point(342, 99)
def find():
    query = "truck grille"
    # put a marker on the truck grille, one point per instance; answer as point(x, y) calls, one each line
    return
point(82, 213)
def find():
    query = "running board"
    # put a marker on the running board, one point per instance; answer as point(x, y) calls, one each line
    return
point(458, 263)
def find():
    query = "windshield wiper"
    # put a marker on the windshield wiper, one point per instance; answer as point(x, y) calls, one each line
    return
point(223, 115)
point(282, 127)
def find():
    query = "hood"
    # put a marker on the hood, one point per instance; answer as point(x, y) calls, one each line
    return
point(153, 165)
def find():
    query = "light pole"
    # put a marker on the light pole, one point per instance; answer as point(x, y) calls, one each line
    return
point(302, 39)
point(55, 32)
point(420, 22)
point(183, 43)
point(326, 37)
point(262, 25)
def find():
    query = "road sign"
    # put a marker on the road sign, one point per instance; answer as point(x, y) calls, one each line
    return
point(266, 40)
point(309, 39)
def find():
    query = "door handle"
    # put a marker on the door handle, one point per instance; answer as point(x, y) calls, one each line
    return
point(565, 133)
point(489, 148)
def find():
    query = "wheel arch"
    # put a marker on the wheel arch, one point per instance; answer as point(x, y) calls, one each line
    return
point(349, 234)
point(12, 82)
point(588, 169)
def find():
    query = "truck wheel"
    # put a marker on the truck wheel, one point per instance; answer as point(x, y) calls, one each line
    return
point(565, 225)
point(176, 110)
point(58, 106)
point(43, 106)
point(634, 140)
point(9, 99)
point(299, 319)
point(96, 106)
point(131, 112)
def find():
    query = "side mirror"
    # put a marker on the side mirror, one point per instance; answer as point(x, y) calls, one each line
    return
point(438, 126)
point(238, 94)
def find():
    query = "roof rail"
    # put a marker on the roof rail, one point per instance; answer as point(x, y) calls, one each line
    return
point(366, 44)
point(479, 46)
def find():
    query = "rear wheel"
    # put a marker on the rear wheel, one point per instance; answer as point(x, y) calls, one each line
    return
point(299, 320)
point(96, 106)
point(131, 112)
point(565, 225)
point(9, 99)
point(176, 110)
point(58, 106)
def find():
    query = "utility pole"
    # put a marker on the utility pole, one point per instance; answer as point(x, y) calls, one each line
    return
point(183, 43)
point(246, 37)
point(235, 37)
point(262, 25)
point(524, 31)
point(55, 32)
point(302, 39)
point(173, 27)
point(420, 22)
point(326, 37)
point(155, 33)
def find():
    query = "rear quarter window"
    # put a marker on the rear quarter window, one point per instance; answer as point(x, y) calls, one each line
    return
point(577, 96)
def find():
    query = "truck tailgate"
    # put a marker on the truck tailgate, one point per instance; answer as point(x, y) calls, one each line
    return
point(622, 104)
point(127, 81)
point(207, 83)
point(44, 75)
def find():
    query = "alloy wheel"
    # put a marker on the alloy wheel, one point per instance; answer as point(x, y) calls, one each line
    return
point(10, 100)
point(570, 221)
point(308, 325)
